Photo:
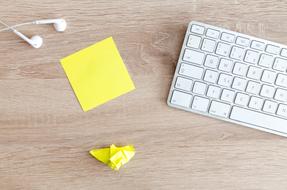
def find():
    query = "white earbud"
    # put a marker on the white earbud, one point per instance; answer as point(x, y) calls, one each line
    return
point(60, 25)
point(35, 41)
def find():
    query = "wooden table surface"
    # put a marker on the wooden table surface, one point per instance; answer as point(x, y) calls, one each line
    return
point(45, 136)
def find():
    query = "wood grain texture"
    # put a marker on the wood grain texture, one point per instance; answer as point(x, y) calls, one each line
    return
point(45, 136)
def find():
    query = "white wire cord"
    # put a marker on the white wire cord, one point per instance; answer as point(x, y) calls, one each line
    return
point(14, 26)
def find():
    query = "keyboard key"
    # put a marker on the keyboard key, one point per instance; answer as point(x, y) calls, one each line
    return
point(223, 49)
point(208, 45)
point(280, 64)
point(282, 110)
point(281, 95)
point(240, 69)
point(191, 71)
point(225, 65)
point(193, 41)
point(270, 107)
point(284, 52)
point(183, 84)
point(211, 61)
point(255, 103)
point(272, 49)
point(210, 76)
point(251, 57)
point(239, 84)
point(241, 99)
point(212, 33)
point(227, 95)
point(237, 53)
point(242, 41)
point(253, 87)
point(225, 80)
point(227, 37)
point(193, 56)
point(197, 29)
point(254, 73)
point(200, 104)
point(267, 91)
point(257, 45)
point(199, 88)
point(281, 80)
point(258, 119)
point(219, 109)
point(181, 99)
point(266, 61)
point(268, 76)
point(213, 92)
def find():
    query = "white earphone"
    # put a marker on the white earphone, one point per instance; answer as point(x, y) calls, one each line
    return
point(36, 41)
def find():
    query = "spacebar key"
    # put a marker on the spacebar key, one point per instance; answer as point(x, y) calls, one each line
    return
point(259, 119)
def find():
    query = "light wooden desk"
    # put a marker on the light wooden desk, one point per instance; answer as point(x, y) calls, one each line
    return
point(45, 136)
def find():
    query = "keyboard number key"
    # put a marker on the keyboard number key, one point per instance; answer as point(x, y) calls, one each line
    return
point(181, 99)
point(251, 57)
point(183, 84)
point(237, 53)
point(284, 52)
point(266, 61)
point(272, 49)
point(208, 45)
point(280, 64)
point(193, 41)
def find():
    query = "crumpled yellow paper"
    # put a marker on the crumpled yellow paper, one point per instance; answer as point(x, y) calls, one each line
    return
point(114, 157)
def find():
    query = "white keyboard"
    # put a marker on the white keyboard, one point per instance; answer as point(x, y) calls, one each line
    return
point(232, 77)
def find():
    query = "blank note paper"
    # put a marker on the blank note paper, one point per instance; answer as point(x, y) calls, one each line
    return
point(97, 74)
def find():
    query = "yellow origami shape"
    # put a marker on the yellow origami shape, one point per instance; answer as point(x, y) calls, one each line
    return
point(114, 156)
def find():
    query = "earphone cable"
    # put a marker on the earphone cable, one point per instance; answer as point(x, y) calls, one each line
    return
point(14, 26)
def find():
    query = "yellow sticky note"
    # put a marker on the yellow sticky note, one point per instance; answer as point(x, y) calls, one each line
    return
point(114, 157)
point(97, 74)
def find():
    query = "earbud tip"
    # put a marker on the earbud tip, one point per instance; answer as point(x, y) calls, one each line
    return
point(60, 25)
point(37, 41)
